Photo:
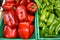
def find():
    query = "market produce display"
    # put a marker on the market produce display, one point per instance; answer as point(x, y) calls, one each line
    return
point(18, 18)
point(49, 17)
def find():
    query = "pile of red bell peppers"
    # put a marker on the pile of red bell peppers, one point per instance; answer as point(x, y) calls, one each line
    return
point(18, 18)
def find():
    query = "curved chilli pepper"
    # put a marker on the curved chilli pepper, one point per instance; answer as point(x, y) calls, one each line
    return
point(57, 12)
point(53, 26)
point(57, 29)
point(25, 30)
point(41, 24)
point(30, 18)
point(44, 29)
point(9, 0)
point(43, 15)
point(21, 13)
point(31, 7)
point(8, 6)
point(9, 33)
point(47, 14)
point(50, 20)
point(20, 2)
point(9, 18)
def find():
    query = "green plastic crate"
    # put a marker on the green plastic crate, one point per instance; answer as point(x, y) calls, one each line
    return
point(38, 36)
point(34, 36)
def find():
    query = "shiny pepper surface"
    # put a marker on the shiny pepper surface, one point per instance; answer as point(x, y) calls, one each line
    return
point(25, 30)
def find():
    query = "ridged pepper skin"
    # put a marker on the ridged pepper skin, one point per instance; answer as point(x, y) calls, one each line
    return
point(25, 30)
point(31, 7)
point(9, 33)
point(8, 6)
point(9, 19)
point(21, 13)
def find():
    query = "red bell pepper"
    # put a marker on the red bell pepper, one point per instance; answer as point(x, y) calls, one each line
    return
point(9, 0)
point(30, 18)
point(17, 2)
point(16, 20)
point(9, 18)
point(31, 7)
point(9, 33)
point(8, 6)
point(25, 30)
point(21, 13)
point(20, 2)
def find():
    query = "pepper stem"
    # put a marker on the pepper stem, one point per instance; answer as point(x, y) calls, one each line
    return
point(32, 7)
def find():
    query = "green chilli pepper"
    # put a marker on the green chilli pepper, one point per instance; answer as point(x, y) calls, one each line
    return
point(57, 29)
point(58, 12)
point(43, 30)
point(47, 15)
point(50, 20)
point(41, 24)
point(52, 27)
point(43, 15)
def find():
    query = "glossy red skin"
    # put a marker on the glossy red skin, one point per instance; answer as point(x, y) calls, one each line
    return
point(8, 6)
point(9, 19)
point(27, 2)
point(30, 18)
point(9, 0)
point(30, 9)
point(31, 29)
point(25, 30)
point(21, 13)
point(20, 2)
point(9, 33)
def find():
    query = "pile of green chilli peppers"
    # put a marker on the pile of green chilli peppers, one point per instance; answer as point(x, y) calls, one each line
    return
point(49, 17)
